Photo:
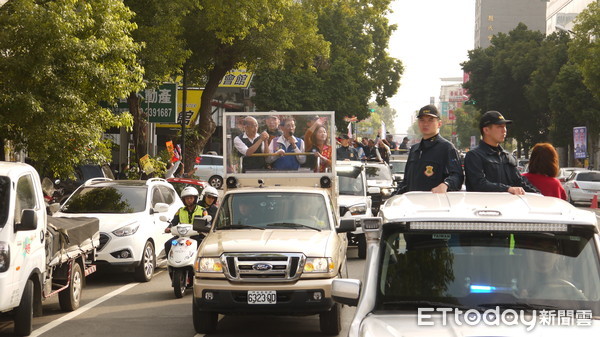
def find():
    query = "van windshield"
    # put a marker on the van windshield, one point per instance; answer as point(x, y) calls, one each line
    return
point(479, 270)
point(4, 200)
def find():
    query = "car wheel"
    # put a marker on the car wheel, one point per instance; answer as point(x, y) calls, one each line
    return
point(24, 312)
point(179, 282)
point(145, 270)
point(362, 246)
point(204, 321)
point(570, 200)
point(216, 182)
point(331, 321)
point(69, 298)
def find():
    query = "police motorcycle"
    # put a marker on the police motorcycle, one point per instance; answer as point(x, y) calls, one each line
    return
point(184, 250)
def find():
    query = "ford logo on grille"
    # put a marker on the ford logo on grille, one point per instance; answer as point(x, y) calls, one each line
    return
point(262, 266)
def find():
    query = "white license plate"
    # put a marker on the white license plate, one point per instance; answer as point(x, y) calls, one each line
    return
point(262, 297)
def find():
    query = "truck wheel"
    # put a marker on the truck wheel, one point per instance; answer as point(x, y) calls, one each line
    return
point(331, 321)
point(362, 246)
point(69, 298)
point(145, 270)
point(179, 282)
point(204, 321)
point(24, 312)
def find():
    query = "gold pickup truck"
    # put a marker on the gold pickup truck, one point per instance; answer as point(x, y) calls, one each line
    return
point(275, 246)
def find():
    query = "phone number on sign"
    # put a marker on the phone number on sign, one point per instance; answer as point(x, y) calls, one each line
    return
point(159, 112)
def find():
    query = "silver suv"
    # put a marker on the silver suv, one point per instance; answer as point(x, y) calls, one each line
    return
point(460, 263)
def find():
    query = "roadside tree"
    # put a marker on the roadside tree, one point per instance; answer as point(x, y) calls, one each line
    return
point(58, 60)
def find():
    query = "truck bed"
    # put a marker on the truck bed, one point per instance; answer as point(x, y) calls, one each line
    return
point(68, 238)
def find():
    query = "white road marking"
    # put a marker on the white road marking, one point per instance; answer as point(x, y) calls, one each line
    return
point(81, 310)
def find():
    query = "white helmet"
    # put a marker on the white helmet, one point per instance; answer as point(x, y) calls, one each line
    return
point(189, 191)
point(209, 190)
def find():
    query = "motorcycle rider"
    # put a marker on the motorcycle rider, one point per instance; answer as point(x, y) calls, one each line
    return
point(186, 214)
point(208, 200)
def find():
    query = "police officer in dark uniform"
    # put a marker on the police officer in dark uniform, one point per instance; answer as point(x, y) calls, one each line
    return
point(488, 167)
point(433, 164)
point(346, 152)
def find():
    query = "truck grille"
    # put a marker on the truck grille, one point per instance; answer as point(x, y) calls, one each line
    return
point(264, 267)
point(104, 238)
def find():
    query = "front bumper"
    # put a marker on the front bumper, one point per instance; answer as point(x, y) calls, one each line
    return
point(225, 297)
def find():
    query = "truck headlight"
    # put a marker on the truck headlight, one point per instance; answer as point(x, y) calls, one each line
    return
point(358, 209)
point(386, 192)
point(208, 265)
point(319, 265)
point(4, 256)
point(127, 229)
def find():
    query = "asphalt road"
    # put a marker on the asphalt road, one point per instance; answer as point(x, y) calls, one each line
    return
point(114, 305)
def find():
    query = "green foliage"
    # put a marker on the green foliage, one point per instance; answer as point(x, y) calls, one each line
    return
point(585, 47)
point(59, 59)
point(371, 126)
point(467, 125)
point(358, 67)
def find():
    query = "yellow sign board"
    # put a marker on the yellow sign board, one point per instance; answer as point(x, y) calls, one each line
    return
point(236, 78)
point(193, 108)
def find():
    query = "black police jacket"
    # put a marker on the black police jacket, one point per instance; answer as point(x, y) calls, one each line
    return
point(489, 169)
point(431, 162)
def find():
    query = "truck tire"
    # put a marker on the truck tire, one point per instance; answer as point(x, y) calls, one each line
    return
point(362, 246)
point(69, 298)
point(179, 282)
point(24, 312)
point(331, 321)
point(145, 270)
point(204, 321)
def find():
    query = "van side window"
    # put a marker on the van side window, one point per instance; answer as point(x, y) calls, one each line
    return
point(25, 196)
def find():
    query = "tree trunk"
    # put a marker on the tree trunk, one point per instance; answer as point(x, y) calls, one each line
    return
point(140, 127)
point(196, 141)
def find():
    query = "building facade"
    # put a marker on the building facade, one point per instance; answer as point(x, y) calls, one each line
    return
point(502, 16)
point(561, 13)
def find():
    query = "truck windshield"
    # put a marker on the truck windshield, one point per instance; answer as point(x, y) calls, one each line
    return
point(273, 210)
point(109, 199)
point(481, 270)
point(4, 200)
point(350, 181)
point(379, 172)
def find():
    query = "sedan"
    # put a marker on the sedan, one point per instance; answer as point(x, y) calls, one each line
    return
point(565, 172)
point(210, 169)
point(582, 186)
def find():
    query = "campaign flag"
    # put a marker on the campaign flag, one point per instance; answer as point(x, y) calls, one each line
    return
point(580, 142)
point(349, 130)
point(170, 149)
point(146, 165)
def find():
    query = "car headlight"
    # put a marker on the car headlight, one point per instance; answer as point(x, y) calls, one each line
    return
point(386, 192)
point(4, 256)
point(358, 209)
point(319, 265)
point(208, 265)
point(127, 229)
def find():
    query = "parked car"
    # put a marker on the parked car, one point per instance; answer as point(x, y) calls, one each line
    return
point(565, 172)
point(131, 231)
point(210, 169)
point(83, 173)
point(581, 186)
point(379, 175)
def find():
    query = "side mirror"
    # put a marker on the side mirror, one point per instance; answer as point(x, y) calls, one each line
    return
point(163, 218)
point(200, 225)
point(161, 207)
point(346, 291)
point(346, 225)
point(28, 221)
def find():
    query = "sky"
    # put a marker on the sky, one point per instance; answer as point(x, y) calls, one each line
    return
point(432, 38)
